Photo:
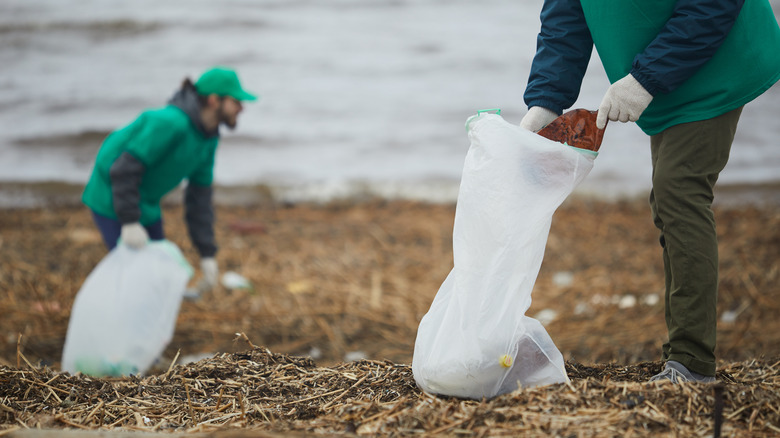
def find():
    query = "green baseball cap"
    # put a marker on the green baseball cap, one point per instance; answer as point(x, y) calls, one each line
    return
point(222, 81)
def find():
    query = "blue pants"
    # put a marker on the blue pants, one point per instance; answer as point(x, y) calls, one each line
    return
point(110, 229)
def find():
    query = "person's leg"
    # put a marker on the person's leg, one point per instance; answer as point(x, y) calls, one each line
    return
point(687, 160)
point(111, 229)
point(155, 230)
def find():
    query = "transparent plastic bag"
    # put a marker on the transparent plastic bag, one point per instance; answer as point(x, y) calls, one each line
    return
point(125, 313)
point(476, 341)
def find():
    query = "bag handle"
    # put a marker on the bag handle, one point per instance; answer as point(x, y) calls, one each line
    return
point(479, 113)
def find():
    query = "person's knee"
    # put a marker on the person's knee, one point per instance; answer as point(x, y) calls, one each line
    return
point(666, 190)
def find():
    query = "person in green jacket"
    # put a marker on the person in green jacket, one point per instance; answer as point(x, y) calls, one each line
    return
point(682, 70)
point(140, 163)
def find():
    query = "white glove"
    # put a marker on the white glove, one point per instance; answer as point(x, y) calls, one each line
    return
point(537, 118)
point(134, 235)
point(210, 273)
point(625, 101)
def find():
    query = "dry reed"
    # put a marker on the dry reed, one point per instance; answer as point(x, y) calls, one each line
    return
point(349, 280)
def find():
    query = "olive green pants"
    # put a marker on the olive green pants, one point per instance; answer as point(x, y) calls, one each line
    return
point(687, 160)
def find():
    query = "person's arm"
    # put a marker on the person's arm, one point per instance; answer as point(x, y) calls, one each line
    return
point(564, 47)
point(126, 174)
point(199, 216)
point(689, 39)
point(199, 209)
point(153, 138)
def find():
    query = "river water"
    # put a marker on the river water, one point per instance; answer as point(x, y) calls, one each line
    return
point(358, 96)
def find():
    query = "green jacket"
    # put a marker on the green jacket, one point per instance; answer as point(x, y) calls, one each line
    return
point(698, 58)
point(170, 147)
point(746, 64)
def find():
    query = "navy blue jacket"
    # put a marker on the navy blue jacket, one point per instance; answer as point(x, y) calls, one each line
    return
point(564, 46)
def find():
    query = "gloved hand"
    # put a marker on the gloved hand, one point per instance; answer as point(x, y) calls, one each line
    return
point(537, 118)
point(210, 273)
point(624, 101)
point(134, 235)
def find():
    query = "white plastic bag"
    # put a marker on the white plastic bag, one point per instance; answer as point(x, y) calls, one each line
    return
point(475, 341)
point(125, 313)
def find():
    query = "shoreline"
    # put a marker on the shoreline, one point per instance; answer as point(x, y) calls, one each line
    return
point(15, 194)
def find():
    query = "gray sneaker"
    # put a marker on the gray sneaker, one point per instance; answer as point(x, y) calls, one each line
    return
point(676, 372)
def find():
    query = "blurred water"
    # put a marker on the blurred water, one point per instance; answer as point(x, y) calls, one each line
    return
point(357, 95)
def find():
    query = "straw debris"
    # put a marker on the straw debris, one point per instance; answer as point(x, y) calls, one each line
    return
point(334, 282)
point(261, 390)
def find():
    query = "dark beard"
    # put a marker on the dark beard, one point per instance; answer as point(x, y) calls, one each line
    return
point(224, 120)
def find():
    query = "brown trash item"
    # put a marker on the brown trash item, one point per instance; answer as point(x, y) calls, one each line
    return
point(248, 227)
point(575, 128)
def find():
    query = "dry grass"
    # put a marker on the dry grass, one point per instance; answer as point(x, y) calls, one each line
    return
point(260, 390)
point(357, 278)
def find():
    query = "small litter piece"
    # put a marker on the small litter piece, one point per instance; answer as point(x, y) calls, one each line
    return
point(353, 356)
point(546, 316)
point(563, 279)
point(315, 353)
point(248, 227)
point(234, 280)
point(581, 308)
point(627, 301)
point(650, 300)
point(192, 358)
